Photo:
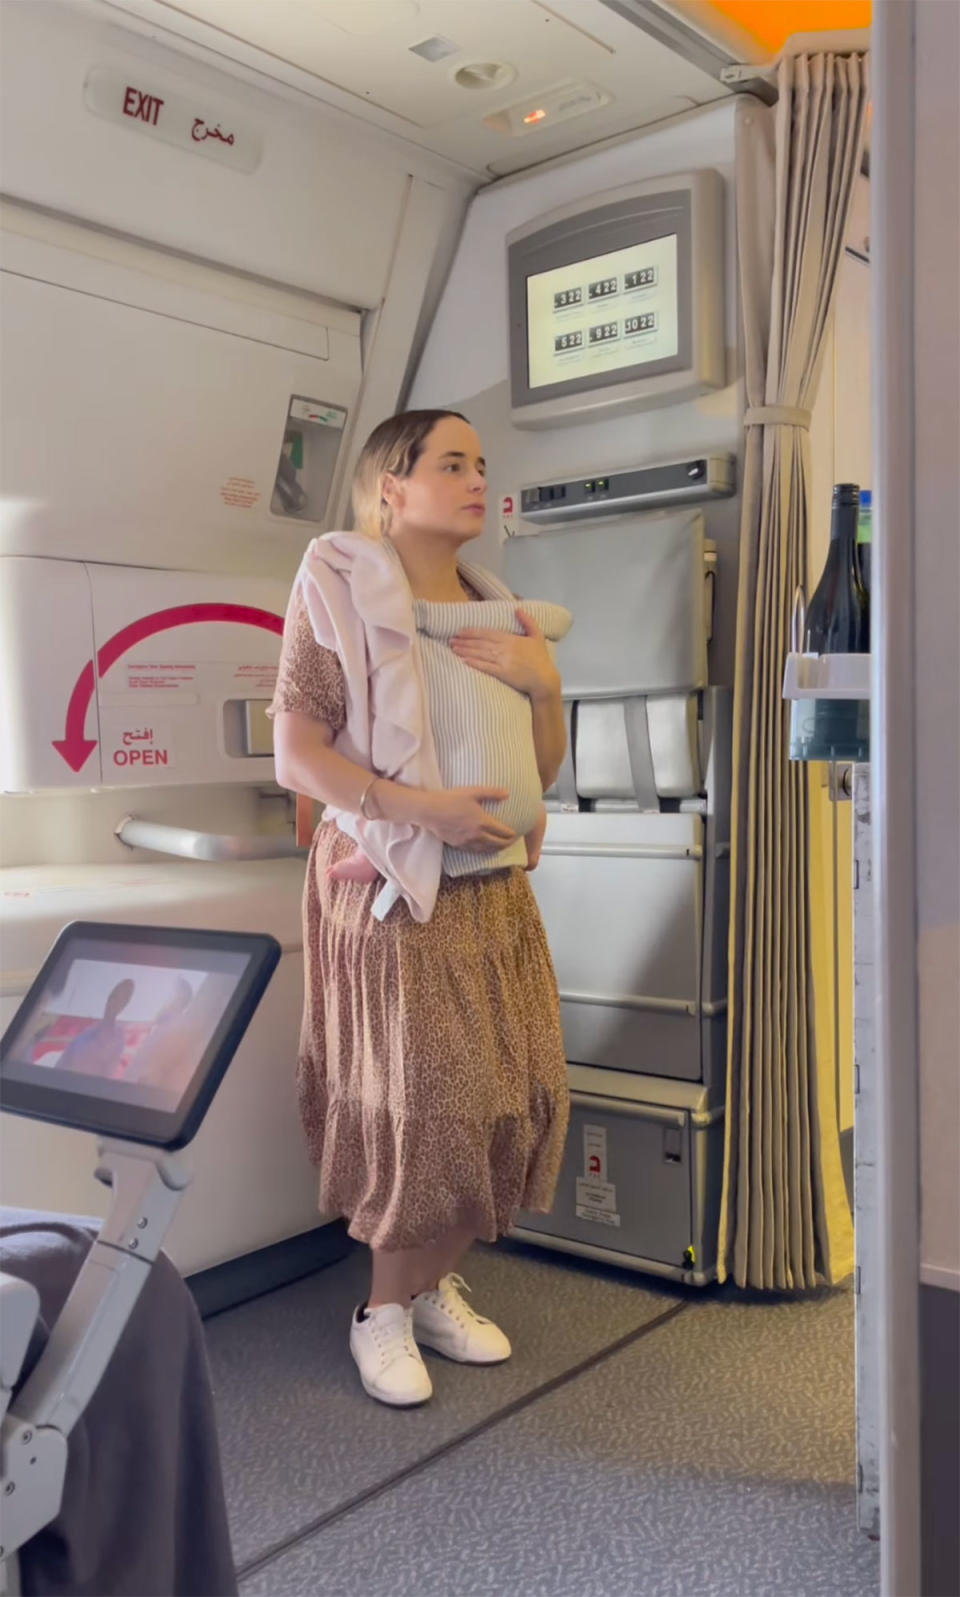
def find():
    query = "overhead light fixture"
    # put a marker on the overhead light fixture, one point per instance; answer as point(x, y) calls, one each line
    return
point(559, 105)
point(436, 48)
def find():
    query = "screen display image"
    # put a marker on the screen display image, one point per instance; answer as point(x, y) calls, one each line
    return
point(127, 1031)
point(604, 314)
point(140, 1023)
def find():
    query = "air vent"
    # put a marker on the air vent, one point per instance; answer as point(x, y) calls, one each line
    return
point(485, 75)
point(436, 48)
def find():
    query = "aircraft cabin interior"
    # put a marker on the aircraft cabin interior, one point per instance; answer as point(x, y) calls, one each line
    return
point(519, 839)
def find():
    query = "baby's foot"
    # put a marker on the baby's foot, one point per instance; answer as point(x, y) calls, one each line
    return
point(355, 868)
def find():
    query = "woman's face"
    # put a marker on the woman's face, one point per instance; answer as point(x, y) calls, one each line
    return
point(446, 493)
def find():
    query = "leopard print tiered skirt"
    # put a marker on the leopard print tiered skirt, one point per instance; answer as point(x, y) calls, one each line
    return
point(432, 1074)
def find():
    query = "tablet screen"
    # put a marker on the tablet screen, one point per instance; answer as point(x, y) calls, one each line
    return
point(130, 1021)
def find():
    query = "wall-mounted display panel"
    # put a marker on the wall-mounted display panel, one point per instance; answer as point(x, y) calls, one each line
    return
point(619, 304)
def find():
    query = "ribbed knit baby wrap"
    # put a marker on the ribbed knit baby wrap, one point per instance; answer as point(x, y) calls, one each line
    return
point(482, 729)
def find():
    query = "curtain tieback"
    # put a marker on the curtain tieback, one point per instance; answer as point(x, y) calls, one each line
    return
point(777, 416)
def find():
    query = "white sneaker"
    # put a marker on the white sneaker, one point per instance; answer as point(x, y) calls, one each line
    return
point(443, 1321)
point(388, 1358)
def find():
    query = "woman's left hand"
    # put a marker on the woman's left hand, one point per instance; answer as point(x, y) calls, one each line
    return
point(522, 663)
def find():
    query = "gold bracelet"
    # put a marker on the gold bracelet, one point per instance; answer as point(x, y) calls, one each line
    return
point(364, 796)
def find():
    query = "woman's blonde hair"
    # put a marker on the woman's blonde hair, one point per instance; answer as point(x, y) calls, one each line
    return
point(392, 450)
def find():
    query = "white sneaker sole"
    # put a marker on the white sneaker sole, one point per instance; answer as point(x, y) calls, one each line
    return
point(382, 1397)
point(424, 1339)
point(392, 1402)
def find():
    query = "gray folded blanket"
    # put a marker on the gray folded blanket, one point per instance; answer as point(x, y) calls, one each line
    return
point(143, 1511)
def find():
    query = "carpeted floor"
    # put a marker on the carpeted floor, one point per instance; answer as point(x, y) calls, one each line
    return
point(642, 1440)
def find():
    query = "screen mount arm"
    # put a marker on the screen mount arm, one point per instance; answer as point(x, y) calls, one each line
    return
point(147, 1185)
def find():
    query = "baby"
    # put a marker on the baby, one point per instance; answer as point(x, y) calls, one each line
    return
point(505, 757)
point(357, 868)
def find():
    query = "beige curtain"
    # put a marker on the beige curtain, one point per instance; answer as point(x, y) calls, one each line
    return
point(785, 1218)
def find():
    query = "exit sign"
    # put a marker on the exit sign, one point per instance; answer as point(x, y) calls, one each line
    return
point(189, 121)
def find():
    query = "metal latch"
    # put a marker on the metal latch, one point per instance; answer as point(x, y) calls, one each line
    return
point(672, 1145)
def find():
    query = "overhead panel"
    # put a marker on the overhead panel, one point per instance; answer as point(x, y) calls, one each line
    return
point(366, 47)
point(64, 65)
point(211, 436)
point(495, 85)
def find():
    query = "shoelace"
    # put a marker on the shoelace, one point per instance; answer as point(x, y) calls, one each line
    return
point(394, 1340)
point(464, 1311)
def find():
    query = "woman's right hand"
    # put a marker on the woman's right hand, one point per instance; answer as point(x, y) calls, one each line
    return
point(457, 816)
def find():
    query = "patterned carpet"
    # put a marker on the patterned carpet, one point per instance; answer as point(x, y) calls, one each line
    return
point(300, 1439)
point(642, 1440)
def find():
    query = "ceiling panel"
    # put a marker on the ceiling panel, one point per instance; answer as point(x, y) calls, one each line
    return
point(517, 56)
point(363, 46)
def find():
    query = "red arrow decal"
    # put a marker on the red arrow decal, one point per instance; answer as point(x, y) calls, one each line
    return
point(74, 747)
point(182, 615)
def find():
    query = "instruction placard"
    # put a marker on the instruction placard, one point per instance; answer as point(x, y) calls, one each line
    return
point(241, 493)
point(597, 1201)
point(162, 676)
point(595, 1153)
point(596, 1196)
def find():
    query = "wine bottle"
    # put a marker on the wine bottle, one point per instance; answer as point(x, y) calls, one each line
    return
point(837, 623)
point(865, 547)
point(838, 620)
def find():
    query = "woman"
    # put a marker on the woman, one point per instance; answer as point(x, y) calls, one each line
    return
point(432, 1072)
point(98, 1051)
